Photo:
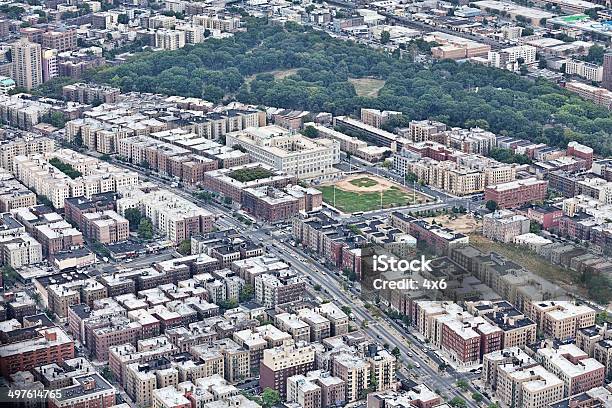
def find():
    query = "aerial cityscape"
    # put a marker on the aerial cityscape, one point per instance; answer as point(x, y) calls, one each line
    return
point(306, 203)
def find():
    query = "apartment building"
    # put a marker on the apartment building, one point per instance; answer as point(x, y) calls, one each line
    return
point(587, 70)
point(42, 346)
point(273, 205)
point(76, 207)
point(507, 357)
point(37, 173)
point(278, 287)
point(106, 227)
point(561, 319)
point(580, 151)
point(599, 96)
point(173, 216)
point(27, 63)
point(418, 396)
point(20, 250)
point(377, 118)
point(49, 65)
point(339, 321)
point(510, 58)
point(504, 225)
point(517, 193)
point(423, 130)
point(13, 194)
point(223, 24)
point(119, 357)
point(169, 40)
point(144, 378)
point(60, 40)
point(23, 146)
point(22, 113)
point(290, 153)
point(355, 372)
point(84, 391)
point(280, 363)
point(466, 176)
point(471, 141)
point(296, 327)
point(441, 240)
point(531, 386)
point(90, 93)
point(573, 366)
point(320, 327)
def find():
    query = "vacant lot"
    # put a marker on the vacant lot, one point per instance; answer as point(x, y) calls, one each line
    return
point(365, 193)
point(531, 261)
point(368, 87)
point(464, 223)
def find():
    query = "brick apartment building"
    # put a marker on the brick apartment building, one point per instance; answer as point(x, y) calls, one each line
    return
point(280, 363)
point(517, 193)
point(75, 207)
point(45, 346)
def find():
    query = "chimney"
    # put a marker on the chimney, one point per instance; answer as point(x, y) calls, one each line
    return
point(50, 335)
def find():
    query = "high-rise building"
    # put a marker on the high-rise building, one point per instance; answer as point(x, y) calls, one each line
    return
point(49, 65)
point(607, 71)
point(27, 63)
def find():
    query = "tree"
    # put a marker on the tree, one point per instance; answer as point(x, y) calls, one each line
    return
point(477, 397)
point(445, 90)
point(123, 19)
point(396, 352)
point(527, 31)
point(246, 292)
point(310, 131)
point(347, 310)
point(385, 37)
point(410, 177)
point(145, 228)
point(535, 227)
point(56, 119)
point(596, 54)
point(317, 287)
point(457, 402)
point(133, 215)
point(228, 304)
point(491, 205)
point(78, 139)
point(463, 384)
point(184, 247)
point(270, 397)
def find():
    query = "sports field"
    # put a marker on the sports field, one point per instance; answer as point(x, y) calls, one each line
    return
point(368, 87)
point(360, 193)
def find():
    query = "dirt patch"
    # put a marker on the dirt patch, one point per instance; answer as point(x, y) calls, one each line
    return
point(464, 223)
point(364, 184)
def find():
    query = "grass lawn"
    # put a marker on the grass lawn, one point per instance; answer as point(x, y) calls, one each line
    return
point(350, 202)
point(278, 74)
point(368, 87)
point(250, 174)
point(363, 182)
